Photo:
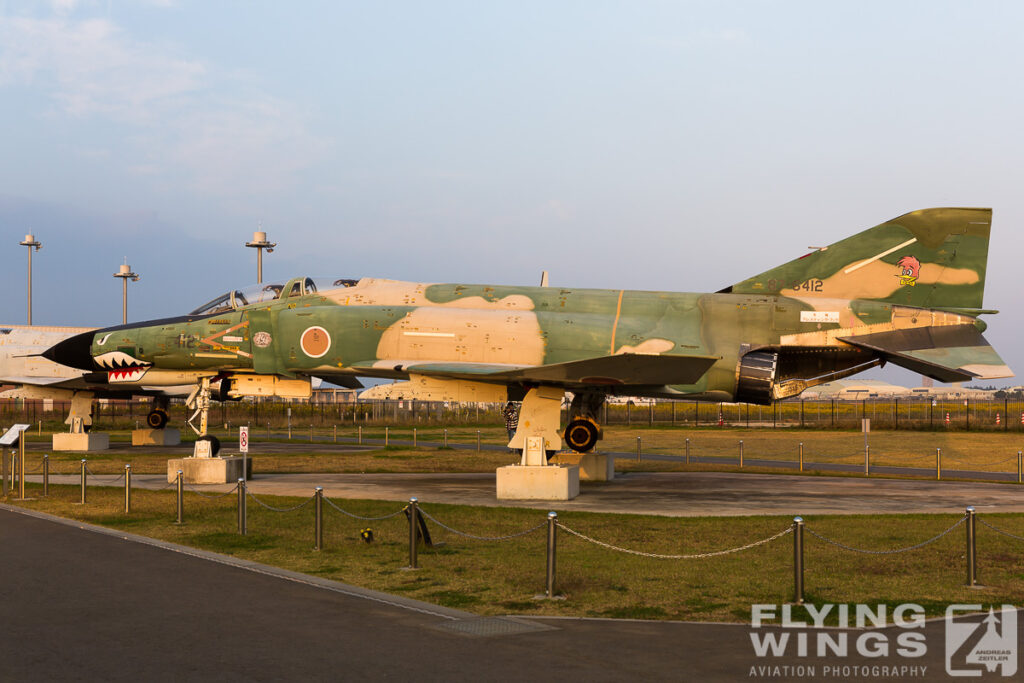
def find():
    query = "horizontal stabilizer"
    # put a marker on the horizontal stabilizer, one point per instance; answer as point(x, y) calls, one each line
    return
point(954, 353)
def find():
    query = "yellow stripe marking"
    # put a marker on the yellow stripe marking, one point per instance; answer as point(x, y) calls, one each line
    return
point(615, 325)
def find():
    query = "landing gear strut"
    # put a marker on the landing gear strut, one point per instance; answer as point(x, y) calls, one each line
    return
point(200, 400)
point(584, 431)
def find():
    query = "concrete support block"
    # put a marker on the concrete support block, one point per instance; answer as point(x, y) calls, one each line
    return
point(156, 437)
point(208, 470)
point(549, 482)
point(594, 467)
point(86, 441)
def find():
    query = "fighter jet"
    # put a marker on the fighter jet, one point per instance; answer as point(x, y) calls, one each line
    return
point(25, 373)
point(908, 292)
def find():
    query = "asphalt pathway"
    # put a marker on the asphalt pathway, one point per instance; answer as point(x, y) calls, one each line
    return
point(84, 603)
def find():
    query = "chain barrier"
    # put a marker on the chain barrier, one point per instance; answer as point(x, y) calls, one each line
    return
point(518, 534)
point(211, 496)
point(998, 530)
point(367, 519)
point(104, 481)
point(274, 509)
point(977, 464)
point(698, 556)
point(168, 485)
point(37, 468)
point(885, 552)
point(912, 458)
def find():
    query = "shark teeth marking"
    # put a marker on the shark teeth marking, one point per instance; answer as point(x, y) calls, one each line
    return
point(120, 361)
point(126, 375)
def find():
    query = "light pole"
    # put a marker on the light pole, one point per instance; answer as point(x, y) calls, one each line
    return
point(30, 242)
point(259, 243)
point(125, 273)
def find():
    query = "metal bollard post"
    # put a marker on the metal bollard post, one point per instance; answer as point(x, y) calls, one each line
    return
point(318, 518)
point(181, 498)
point(478, 441)
point(741, 453)
point(446, 437)
point(359, 435)
point(21, 468)
point(413, 531)
point(241, 507)
point(335, 433)
point(83, 481)
point(552, 544)
point(798, 560)
point(938, 464)
point(127, 489)
point(687, 451)
point(311, 432)
point(801, 454)
point(638, 449)
point(386, 436)
point(46, 475)
point(1020, 470)
point(972, 557)
point(289, 430)
point(867, 460)
point(414, 437)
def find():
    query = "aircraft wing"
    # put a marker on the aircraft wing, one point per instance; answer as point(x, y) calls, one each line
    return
point(617, 370)
point(950, 353)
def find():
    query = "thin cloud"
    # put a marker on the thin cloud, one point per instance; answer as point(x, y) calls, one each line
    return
point(187, 120)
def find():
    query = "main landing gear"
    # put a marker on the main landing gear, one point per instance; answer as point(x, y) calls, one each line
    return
point(584, 431)
point(541, 414)
point(200, 400)
point(157, 418)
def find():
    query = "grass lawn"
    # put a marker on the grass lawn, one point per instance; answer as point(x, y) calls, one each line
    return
point(982, 451)
point(504, 577)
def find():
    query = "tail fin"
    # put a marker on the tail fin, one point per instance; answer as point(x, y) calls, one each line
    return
point(933, 258)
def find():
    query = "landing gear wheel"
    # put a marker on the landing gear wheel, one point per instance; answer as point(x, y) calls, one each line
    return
point(582, 435)
point(214, 443)
point(157, 418)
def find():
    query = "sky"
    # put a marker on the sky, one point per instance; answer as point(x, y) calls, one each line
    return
point(674, 145)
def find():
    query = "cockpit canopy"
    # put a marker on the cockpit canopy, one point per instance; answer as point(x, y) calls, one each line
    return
point(265, 293)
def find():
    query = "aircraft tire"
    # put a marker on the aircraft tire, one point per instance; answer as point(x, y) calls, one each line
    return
point(582, 435)
point(214, 443)
point(156, 418)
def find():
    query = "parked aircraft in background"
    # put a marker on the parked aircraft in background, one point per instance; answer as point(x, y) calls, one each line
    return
point(908, 291)
point(25, 373)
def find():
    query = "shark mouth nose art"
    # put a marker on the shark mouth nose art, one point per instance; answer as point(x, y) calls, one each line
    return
point(122, 367)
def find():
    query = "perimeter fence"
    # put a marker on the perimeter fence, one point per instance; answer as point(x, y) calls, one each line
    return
point(419, 520)
point(938, 413)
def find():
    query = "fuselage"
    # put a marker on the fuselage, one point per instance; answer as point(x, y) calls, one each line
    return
point(377, 327)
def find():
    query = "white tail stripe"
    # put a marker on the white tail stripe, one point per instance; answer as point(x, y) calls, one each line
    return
point(883, 254)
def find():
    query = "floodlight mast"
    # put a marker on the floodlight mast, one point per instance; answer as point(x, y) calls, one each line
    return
point(30, 241)
point(125, 273)
point(259, 243)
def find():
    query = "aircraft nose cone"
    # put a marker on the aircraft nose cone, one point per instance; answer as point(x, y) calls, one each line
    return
point(73, 352)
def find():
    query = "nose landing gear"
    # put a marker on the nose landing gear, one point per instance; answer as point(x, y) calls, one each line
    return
point(200, 400)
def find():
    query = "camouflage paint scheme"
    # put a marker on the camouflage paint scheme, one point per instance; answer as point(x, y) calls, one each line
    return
point(908, 291)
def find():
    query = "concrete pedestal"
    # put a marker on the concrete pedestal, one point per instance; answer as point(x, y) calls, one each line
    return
point(85, 441)
point(208, 470)
point(156, 437)
point(594, 467)
point(547, 482)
